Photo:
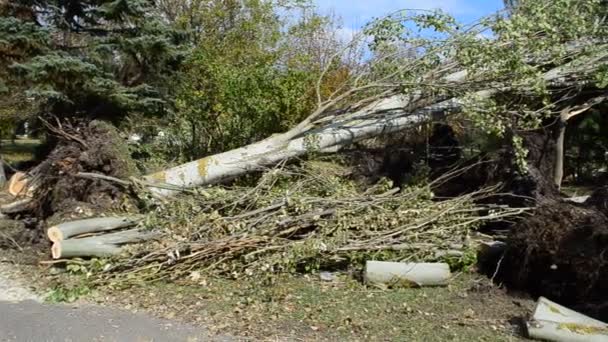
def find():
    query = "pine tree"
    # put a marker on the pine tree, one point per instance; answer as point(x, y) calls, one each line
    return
point(93, 58)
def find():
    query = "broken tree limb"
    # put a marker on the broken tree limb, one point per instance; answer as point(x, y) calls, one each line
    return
point(17, 206)
point(578, 199)
point(68, 229)
point(79, 248)
point(384, 116)
point(553, 322)
point(421, 274)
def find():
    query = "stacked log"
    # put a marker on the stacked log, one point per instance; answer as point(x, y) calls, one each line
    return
point(96, 237)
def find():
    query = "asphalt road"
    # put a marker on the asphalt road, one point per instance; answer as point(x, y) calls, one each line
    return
point(36, 322)
point(23, 317)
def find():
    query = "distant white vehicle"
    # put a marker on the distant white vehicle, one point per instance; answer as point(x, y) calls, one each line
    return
point(137, 138)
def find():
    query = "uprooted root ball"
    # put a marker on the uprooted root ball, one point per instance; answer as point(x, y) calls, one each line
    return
point(560, 253)
point(85, 147)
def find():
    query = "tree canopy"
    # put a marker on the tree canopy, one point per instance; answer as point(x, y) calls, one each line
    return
point(216, 75)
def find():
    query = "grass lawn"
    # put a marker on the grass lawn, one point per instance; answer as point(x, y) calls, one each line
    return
point(307, 309)
point(18, 151)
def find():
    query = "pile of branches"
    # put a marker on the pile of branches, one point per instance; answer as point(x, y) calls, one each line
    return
point(301, 219)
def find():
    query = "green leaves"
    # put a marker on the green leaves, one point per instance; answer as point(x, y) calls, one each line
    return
point(601, 77)
point(251, 75)
point(534, 38)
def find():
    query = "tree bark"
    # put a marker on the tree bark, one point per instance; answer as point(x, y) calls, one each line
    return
point(100, 246)
point(68, 229)
point(78, 248)
point(419, 274)
point(553, 322)
point(384, 116)
point(565, 115)
point(17, 206)
point(119, 238)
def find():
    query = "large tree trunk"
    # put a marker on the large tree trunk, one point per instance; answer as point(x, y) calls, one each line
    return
point(231, 164)
point(565, 115)
point(387, 115)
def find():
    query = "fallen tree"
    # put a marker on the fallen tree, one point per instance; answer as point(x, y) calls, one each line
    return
point(526, 85)
point(518, 80)
point(385, 116)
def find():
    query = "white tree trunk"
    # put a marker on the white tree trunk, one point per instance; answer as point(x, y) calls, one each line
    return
point(101, 245)
point(68, 229)
point(553, 322)
point(77, 248)
point(385, 116)
point(419, 274)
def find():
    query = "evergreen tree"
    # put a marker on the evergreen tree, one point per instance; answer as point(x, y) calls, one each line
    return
point(93, 58)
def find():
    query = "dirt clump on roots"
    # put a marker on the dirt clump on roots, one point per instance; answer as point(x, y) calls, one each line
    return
point(93, 147)
point(599, 200)
point(560, 252)
point(499, 169)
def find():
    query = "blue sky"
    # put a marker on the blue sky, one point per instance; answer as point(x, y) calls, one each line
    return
point(355, 13)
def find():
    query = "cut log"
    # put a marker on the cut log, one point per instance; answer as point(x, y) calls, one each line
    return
point(69, 229)
point(553, 322)
point(126, 236)
point(79, 248)
point(420, 274)
point(17, 206)
point(100, 246)
point(18, 185)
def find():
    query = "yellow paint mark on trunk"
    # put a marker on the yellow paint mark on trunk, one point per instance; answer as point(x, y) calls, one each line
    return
point(159, 177)
point(203, 165)
point(582, 329)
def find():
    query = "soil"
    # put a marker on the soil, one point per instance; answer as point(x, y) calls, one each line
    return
point(516, 188)
point(94, 147)
point(559, 252)
point(599, 200)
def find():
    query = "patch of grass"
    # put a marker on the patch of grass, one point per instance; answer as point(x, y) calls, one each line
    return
point(65, 294)
point(577, 190)
point(305, 308)
point(18, 151)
